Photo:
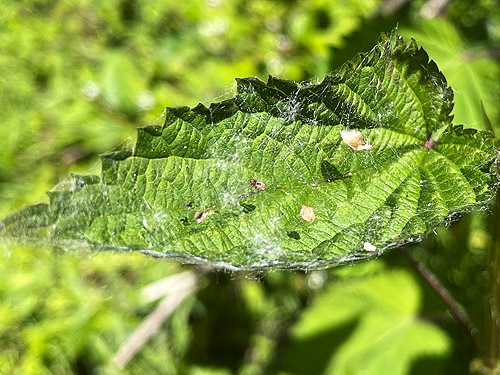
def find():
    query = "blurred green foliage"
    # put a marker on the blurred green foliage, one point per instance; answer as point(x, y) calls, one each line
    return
point(366, 326)
point(79, 76)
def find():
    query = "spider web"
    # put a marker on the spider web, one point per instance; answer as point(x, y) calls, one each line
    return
point(187, 189)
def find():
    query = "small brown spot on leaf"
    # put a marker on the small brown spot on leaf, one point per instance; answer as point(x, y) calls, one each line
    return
point(307, 213)
point(259, 185)
point(355, 140)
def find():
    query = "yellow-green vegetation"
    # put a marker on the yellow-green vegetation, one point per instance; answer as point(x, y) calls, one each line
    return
point(78, 77)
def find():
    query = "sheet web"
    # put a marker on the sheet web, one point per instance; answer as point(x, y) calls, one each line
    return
point(270, 177)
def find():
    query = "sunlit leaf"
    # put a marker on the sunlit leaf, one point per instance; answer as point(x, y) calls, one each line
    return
point(472, 73)
point(270, 177)
point(364, 326)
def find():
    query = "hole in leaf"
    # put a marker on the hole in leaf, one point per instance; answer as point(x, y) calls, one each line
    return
point(247, 207)
point(293, 234)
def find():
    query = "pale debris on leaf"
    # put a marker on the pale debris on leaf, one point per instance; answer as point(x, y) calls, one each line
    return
point(369, 247)
point(355, 140)
point(256, 184)
point(307, 213)
point(200, 216)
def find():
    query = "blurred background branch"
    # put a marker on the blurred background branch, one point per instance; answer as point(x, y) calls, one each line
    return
point(176, 288)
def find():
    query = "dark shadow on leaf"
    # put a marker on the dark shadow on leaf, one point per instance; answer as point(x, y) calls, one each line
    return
point(247, 207)
point(429, 365)
point(317, 349)
point(329, 171)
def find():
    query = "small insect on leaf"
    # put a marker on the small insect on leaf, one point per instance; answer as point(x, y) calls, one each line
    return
point(369, 247)
point(307, 213)
point(355, 140)
point(259, 185)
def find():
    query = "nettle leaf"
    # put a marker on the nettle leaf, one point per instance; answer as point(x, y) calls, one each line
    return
point(376, 329)
point(284, 174)
point(474, 76)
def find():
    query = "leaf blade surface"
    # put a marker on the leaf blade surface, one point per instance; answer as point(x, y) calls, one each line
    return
point(186, 189)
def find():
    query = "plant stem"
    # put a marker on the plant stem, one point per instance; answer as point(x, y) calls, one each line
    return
point(457, 311)
point(492, 354)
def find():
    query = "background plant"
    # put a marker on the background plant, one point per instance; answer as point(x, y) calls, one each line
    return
point(79, 78)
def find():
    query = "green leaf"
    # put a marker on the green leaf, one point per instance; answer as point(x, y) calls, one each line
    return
point(119, 83)
point(375, 329)
point(474, 76)
point(226, 184)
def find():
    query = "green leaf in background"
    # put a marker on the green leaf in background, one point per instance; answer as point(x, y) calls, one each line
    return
point(120, 86)
point(469, 70)
point(364, 326)
point(59, 313)
point(270, 178)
